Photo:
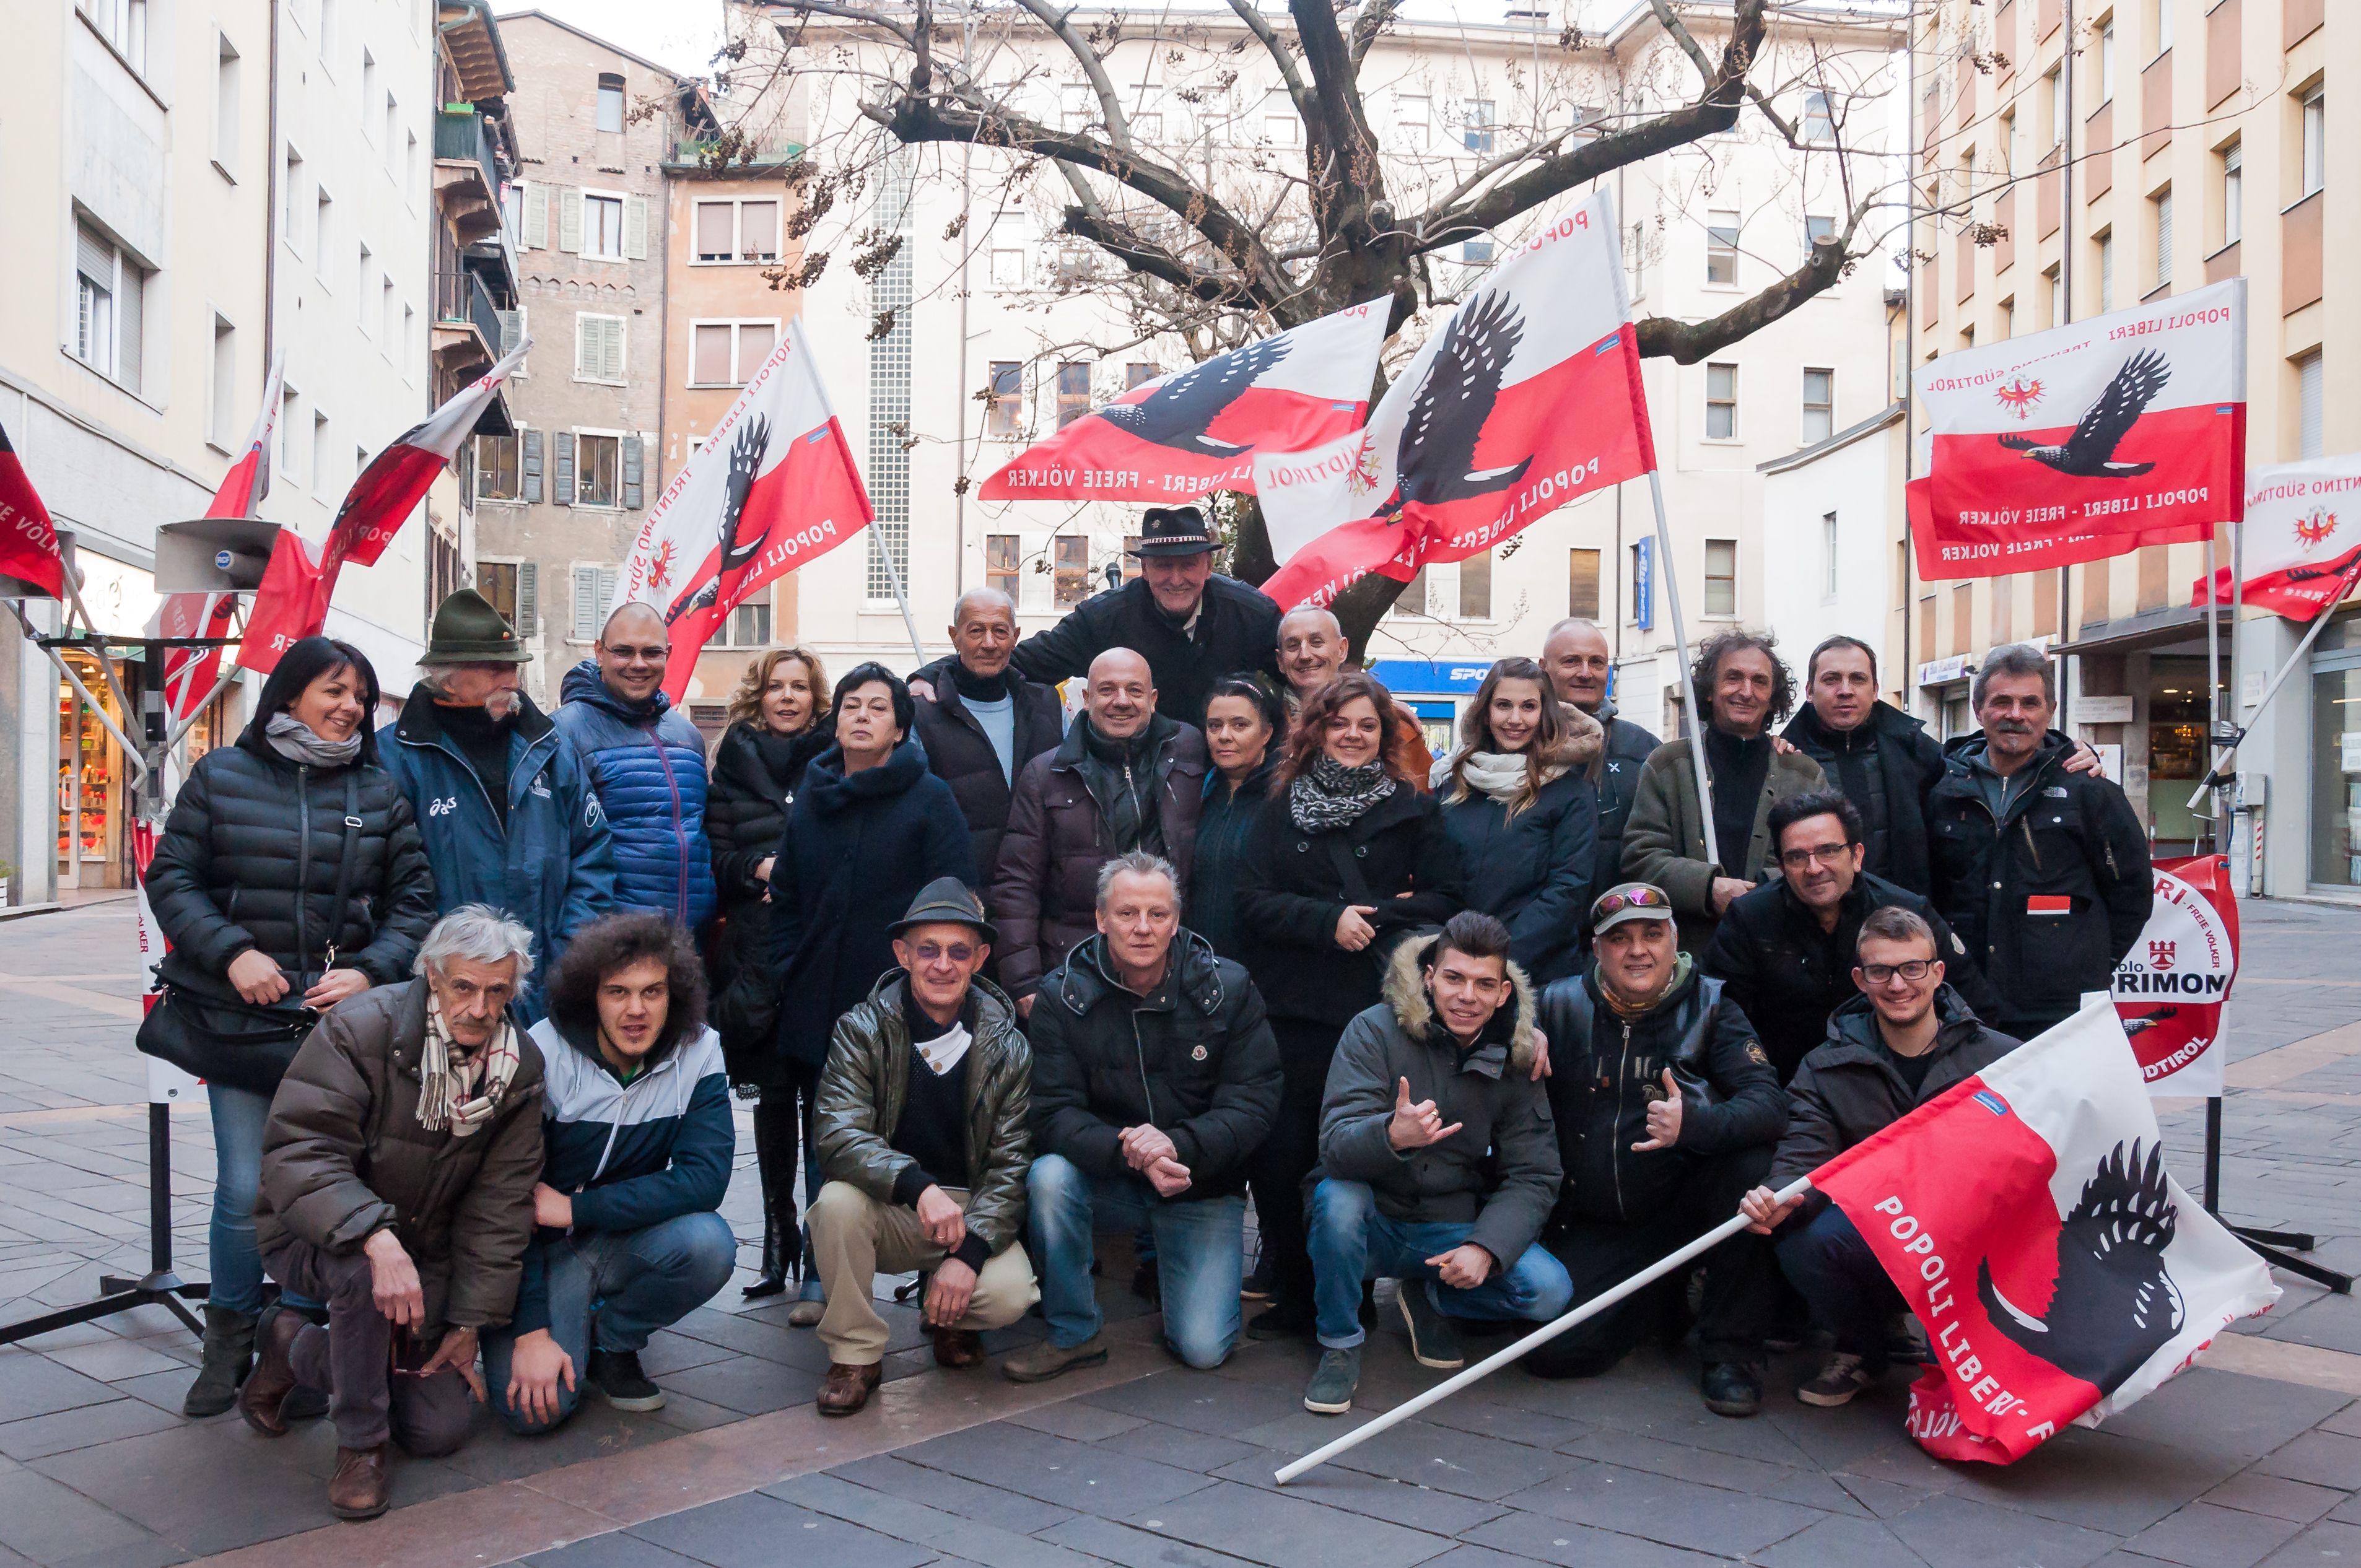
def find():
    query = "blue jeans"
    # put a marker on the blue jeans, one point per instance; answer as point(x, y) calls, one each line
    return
point(240, 1118)
point(1200, 1255)
point(1351, 1241)
point(627, 1284)
point(1849, 1291)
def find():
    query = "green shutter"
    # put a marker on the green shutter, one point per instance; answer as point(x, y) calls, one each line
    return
point(565, 488)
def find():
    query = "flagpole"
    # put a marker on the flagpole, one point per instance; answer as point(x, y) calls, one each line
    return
point(1539, 1336)
point(1688, 675)
point(894, 575)
point(2344, 585)
point(2213, 692)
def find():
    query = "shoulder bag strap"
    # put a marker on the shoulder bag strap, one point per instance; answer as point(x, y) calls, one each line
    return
point(347, 859)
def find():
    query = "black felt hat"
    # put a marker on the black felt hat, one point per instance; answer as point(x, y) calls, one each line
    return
point(946, 901)
point(1175, 530)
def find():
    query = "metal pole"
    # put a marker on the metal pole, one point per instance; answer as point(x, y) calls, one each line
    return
point(1688, 679)
point(2343, 587)
point(894, 575)
point(2214, 696)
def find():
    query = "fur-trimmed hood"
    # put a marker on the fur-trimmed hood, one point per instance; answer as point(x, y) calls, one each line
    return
point(1405, 994)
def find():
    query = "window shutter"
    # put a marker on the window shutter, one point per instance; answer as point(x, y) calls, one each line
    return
point(585, 603)
point(530, 440)
point(512, 329)
point(564, 496)
point(636, 228)
point(610, 356)
point(569, 219)
point(528, 598)
point(586, 347)
point(608, 582)
point(634, 454)
point(535, 205)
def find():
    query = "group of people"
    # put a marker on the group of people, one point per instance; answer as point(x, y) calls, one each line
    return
point(472, 994)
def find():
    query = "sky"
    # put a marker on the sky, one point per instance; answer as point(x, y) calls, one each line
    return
point(680, 35)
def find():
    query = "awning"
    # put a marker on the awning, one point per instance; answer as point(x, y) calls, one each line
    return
point(2148, 629)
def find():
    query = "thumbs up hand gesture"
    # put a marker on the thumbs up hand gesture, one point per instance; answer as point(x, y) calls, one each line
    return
point(1664, 1118)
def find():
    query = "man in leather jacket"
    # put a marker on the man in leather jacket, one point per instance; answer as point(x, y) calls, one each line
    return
point(1666, 1111)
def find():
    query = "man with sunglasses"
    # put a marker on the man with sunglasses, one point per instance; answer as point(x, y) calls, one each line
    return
point(1890, 1051)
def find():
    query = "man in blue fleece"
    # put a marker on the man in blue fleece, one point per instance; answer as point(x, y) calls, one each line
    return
point(638, 1138)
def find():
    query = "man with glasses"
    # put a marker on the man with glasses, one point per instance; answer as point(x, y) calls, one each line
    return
point(1888, 1052)
point(647, 762)
point(1784, 952)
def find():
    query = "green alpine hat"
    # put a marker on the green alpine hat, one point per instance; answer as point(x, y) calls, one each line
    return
point(468, 631)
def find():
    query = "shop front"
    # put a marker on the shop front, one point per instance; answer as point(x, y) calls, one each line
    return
point(1434, 690)
point(2336, 747)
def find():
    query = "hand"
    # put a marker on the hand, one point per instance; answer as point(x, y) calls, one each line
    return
point(552, 1208)
point(924, 690)
point(393, 1281)
point(1664, 1118)
point(1541, 1057)
point(458, 1351)
point(537, 1367)
point(948, 1293)
point(1728, 889)
point(1169, 1177)
point(337, 985)
point(257, 979)
point(1353, 931)
point(1143, 1145)
point(945, 1222)
point(2083, 760)
point(1415, 1126)
point(1465, 1266)
point(1763, 1212)
point(1782, 747)
point(762, 873)
point(1024, 1007)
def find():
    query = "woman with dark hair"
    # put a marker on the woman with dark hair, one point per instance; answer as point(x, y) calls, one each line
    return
point(779, 721)
point(290, 878)
point(1347, 858)
point(1243, 722)
point(869, 829)
point(1517, 797)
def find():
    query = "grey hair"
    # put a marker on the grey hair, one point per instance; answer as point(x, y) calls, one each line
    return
point(1572, 623)
point(481, 934)
point(992, 597)
point(438, 678)
point(1138, 863)
point(2015, 659)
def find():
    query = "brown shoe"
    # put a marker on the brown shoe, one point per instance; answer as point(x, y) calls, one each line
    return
point(261, 1402)
point(847, 1387)
point(357, 1490)
point(958, 1348)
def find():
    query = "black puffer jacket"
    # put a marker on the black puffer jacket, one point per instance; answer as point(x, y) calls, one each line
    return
point(1848, 1088)
point(1887, 767)
point(756, 776)
point(959, 754)
point(1237, 628)
point(1194, 1059)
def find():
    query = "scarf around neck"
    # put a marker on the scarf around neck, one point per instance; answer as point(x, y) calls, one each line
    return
point(1500, 777)
point(1330, 794)
point(462, 1091)
point(298, 742)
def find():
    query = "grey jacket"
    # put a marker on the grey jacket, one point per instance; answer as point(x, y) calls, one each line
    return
point(1664, 839)
point(1500, 1172)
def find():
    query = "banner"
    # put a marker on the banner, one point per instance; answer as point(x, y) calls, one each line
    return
point(2301, 540)
point(1526, 397)
point(2027, 1217)
point(772, 487)
point(2171, 988)
point(28, 540)
point(1179, 436)
point(190, 674)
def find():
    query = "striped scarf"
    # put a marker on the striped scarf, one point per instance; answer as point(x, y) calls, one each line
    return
point(449, 1076)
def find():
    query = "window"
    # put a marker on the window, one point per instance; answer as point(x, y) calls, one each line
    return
point(737, 231)
point(110, 292)
point(392, 135)
point(1478, 130)
point(2107, 246)
point(1819, 127)
point(599, 348)
point(499, 474)
point(1000, 556)
point(594, 590)
point(1722, 576)
point(1476, 587)
point(291, 218)
point(364, 297)
point(2008, 318)
point(2315, 141)
point(1816, 229)
point(597, 470)
point(410, 164)
point(610, 101)
point(2310, 386)
point(1721, 402)
point(385, 317)
point(1828, 556)
point(2234, 193)
point(322, 481)
point(2162, 31)
point(1130, 558)
point(2057, 297)
point(2057, 82)
point(2107, 60)
point(602, 227)
point(510, 587)
point(1005, 398)
point(1073, 393)
point(221, 383)
point(1721, 248)
point(1137, 375)
point(328, 33)
point(1413, 122)
point(1280, 130)
point(369, 93)
point(749, 625)
point(225, 109)
point(1475, 252)
point(293, 429)
point(2161, 203)
point(323, 211)
point(1071, 563)
point(1819, 405)
point(1582, 583)
point(727, 353)
point(123, 24)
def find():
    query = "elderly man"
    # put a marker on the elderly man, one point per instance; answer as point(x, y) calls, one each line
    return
point(506, 810)
point(1154, 1077)
point(981, 721)
point(1312, 650)
point(1576, 658)
point(1665, 1110)
point(647, 762)
point(1191, 625)
point(397, 1185)
point(1127, 777)
point(923, 1136)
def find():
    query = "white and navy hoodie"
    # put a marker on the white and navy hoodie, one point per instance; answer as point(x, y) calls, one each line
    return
point(629, 1154)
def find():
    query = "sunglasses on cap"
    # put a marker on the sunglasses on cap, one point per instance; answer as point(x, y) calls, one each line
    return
point(1647, 898)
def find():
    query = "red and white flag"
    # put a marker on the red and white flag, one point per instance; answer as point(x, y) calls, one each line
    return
point(2302, 546)
point(2027, 1217)
point(28, 540)
point(1179, 436)
point(292, 603)
point(1526, 397)
point(190, 674)
point(2171, 988)
point(2088, 440)
point(772, 487)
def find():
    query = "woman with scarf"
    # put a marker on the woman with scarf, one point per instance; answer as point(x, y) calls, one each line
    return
point(779, 720)
point(1518, 800)
point(290, 878)
point(1348, 858)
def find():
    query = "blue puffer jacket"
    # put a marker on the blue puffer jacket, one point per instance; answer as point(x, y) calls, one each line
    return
point(648, 762)
point(552, 867)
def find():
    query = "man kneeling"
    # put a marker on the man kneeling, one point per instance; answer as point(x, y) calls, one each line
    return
point(397, 1187)
point(1154, 1077)
point(922, 1135)
point(1437, 1165)
point(638, 1145)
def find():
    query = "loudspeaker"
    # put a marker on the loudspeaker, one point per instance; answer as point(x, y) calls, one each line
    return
point(213, 555)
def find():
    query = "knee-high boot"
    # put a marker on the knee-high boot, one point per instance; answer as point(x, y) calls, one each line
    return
point(781, 1242)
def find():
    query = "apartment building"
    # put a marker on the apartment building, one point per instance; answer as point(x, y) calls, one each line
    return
point(2072, 158)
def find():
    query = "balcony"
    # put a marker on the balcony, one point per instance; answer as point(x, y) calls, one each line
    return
point(701, 155)
point(467, 175)
point(467, 324)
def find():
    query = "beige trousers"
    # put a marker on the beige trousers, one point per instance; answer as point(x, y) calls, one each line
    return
point(854, 1236)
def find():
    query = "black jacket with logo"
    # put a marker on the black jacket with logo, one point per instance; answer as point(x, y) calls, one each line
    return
point(1887, 767)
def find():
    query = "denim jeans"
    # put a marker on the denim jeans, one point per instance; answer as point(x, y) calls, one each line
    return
point(1851, 1293)
point(618, 1288)
point(240, 1118)
point(1351, 1241)
point(1200, 1255)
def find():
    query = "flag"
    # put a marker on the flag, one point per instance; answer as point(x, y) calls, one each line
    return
point(1526, 397)
point(2025, 1216)
point(2089, 440)
point(28, 540)
point(298, 584)
point(2171, 988)
point(2302, 547)
point(190, 674)
point(772, 487)
point(1179, 436)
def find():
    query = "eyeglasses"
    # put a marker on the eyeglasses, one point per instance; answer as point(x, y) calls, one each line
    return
point(652, 656)
point(1878, 974)
point(1638, 898)
point(935, 952)
point(1827, 854)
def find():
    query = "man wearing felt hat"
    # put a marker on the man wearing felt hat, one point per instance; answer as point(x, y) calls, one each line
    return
point(1191, 625)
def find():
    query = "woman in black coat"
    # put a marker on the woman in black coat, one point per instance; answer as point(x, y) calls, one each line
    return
point(1517, 797)
point(290, 878)
point(1244, 722)
point(779, 721)
point(1348, 858)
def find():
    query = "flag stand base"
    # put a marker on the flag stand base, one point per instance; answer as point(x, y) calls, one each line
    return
point(159, 1286)
point(2274, 1247)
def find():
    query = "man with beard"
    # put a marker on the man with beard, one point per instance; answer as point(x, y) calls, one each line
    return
point(1312, 650)
point(1576, 659)
point(980, 721)
point(1882, 759)
point(2043, 871)
point(504, 805)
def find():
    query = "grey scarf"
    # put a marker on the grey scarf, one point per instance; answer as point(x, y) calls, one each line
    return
point(298, 742)
point(1332, 794)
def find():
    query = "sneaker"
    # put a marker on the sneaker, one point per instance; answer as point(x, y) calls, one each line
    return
point(1732, 1389)
point(1841, 1377)
point(1039, 1363)
point(1256, 1287)
point(616, 1374)
point(1432, 1340)
point(1330, 1392)
point(1279, 1322)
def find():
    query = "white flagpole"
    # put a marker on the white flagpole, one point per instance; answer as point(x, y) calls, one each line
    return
point(2219, 775)
point(894, 575)
point(1697, 715)
point(1539, 1336)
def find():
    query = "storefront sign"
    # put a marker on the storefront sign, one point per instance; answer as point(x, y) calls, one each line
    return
point(1431, 677)
point(1643, 584)
point(2103, 710)
point(1943, 671)
point(2171, 987)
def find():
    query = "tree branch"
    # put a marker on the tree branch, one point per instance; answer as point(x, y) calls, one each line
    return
point(1061, 23)
point(1686, 343)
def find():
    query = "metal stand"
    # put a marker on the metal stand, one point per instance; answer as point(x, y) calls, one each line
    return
point(2274, 1247)
point(159, 1286)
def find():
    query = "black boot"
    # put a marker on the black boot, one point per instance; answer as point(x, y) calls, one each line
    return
point(774, 1278)
point(777, 1237)
point(229, 1355)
